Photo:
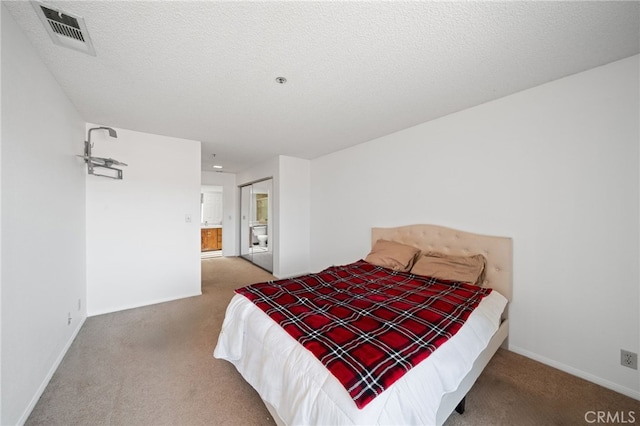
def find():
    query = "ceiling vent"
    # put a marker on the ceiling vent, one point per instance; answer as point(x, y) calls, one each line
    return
point(65, 29)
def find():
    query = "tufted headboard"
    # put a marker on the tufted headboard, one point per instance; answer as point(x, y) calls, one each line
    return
point(497, 250)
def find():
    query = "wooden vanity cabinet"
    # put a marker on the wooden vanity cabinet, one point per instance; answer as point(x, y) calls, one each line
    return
point(210, 239)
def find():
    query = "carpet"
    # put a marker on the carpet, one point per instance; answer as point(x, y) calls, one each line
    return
point(154, 366)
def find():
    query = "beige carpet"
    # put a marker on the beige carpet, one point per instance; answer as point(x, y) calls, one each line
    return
point(154, 366)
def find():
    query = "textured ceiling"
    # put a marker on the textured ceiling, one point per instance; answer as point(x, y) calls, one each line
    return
point(206, 70)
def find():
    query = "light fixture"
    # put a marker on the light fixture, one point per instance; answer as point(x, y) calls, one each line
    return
point(281, 80)
point(216, 166)
point(100, 162)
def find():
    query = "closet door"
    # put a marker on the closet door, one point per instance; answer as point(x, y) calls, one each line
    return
point(261, 229)
point(245, 228)
point(256, 232)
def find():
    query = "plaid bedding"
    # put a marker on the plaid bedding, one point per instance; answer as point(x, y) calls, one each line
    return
point(368, 325)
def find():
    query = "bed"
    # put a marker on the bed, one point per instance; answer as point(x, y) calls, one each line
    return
point(297, 388)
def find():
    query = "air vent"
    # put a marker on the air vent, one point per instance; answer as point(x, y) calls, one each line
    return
point(64, 28)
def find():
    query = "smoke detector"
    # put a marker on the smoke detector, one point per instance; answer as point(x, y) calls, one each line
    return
point(64, 28)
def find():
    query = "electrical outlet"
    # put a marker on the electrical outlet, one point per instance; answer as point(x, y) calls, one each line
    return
point(79, 304)
point(629, 359)
point(69, 318)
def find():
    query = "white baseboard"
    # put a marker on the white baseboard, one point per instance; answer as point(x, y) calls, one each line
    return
point(578, 373)
point(47, 379)
point(140, 305)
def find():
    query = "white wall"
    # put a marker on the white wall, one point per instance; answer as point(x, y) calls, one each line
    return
point(140, 249)
point(556, 168)
point(43, 224)
point(230, 196)
point(294, 185)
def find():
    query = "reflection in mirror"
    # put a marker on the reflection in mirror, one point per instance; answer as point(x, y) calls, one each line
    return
point(255, 232)
point(262, 207)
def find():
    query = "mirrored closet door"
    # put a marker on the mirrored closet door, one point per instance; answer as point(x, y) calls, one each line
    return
point(256, 202)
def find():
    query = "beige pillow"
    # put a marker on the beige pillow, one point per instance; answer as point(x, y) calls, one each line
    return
point(396, 256)
point(468, 269)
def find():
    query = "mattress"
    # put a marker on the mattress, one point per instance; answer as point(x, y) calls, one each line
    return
point(302, 391)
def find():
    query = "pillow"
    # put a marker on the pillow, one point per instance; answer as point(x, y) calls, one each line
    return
point(392, 255)
point(467, 269)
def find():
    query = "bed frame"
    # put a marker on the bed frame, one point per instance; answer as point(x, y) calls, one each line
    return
point(498, 275)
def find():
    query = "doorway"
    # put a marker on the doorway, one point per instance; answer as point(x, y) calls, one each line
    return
point(256, 232)
point(211, 215)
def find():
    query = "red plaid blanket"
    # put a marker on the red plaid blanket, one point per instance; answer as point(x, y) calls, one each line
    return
point(368, 325)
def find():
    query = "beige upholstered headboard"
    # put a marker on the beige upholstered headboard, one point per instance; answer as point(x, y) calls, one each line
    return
point(497, 250)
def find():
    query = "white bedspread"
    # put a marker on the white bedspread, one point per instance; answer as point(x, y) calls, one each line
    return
point(303, 392)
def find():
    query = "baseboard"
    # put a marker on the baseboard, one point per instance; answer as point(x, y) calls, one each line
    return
point(47, 379)
point(578, 373)
point(140, 305)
